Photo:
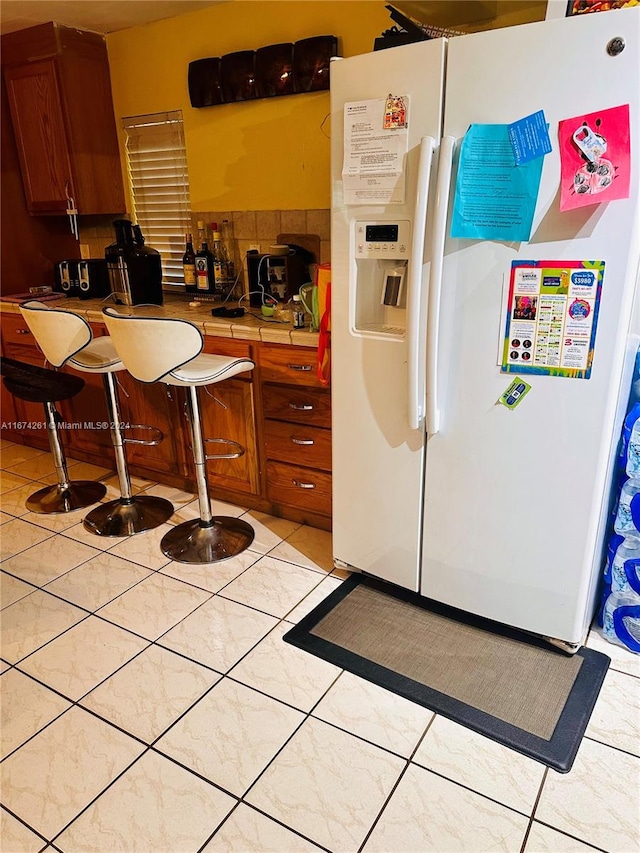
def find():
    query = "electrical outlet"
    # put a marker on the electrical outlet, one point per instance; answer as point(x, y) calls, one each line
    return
point(254, 246)
point(84, 251)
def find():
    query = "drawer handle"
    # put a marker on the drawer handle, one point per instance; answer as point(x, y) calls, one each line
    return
point(300, 485)
point(305, 441)
point(301, 407)
point(22, 331)
point(305, 367)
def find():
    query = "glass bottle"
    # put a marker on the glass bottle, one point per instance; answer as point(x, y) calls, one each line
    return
point(189, 266)
point(205, 281)
point(297, 312)
point(229, 244)
point(202, 234)
point(219, 265)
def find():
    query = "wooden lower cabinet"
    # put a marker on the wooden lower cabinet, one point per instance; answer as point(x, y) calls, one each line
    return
point(88, 420)
point(228, 411)
point(152, 405)
point(8, 414)
point(230, 414)
point(78, 413)
point(297, 434)
point(22, 422)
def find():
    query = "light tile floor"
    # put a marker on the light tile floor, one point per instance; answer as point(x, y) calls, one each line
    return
point(150, 706)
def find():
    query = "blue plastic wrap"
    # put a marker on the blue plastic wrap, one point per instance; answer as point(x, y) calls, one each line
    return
point(620, 602)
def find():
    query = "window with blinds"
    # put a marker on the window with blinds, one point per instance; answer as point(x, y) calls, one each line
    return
point(157, 166)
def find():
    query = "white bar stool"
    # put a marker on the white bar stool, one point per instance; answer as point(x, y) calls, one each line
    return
point(66, 338)
point(155, 349)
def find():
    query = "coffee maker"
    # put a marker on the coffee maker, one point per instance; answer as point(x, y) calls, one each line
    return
point(135, 270)
point(277, 276)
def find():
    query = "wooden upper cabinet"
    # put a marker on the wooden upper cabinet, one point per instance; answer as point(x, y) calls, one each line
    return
point(59, 94)
point(40, 133)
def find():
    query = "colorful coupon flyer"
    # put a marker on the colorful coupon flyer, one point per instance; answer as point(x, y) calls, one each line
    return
point(595, 156)
point(552, 317)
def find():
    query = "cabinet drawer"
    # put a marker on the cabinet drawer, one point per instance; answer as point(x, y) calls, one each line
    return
point(23, 351)
point(299, 487)
point(298, 405)
point(16, 331)
point(226, 346)
point(298, 445)
point(289, 364)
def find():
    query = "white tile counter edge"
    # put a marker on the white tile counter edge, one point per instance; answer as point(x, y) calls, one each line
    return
point(247, 328)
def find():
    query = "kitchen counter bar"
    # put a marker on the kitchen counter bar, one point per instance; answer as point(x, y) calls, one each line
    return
point(280, 412)
point(247, 328)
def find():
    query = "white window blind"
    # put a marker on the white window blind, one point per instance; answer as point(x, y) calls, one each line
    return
point(157, 166)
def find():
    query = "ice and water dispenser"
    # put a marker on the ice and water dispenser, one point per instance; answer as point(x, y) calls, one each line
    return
point(380, 254)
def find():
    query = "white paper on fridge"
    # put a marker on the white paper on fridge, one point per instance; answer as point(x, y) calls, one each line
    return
point(375, 147)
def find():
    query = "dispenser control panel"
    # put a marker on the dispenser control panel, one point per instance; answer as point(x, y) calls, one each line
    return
point(383, 240)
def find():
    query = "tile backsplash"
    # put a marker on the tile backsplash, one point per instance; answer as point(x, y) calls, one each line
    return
point(251, 228)
point(96, 232)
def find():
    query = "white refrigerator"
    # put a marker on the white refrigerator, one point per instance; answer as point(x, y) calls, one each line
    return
point(437, 487)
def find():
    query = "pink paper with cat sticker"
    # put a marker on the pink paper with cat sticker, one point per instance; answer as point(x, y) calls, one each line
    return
point(595, 155)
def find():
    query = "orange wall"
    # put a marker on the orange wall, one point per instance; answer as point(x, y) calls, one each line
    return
point(258, 155)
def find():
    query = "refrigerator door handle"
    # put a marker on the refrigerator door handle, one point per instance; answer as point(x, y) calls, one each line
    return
point(447, 148)
point(414, 298)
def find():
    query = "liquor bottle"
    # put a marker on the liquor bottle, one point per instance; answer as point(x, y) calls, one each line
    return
point(189, 266)
point(202, 234)
point(219, 265)
point(205, 281)
point(228, 244)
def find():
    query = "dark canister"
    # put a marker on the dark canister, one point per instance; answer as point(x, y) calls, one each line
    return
point(135, 269)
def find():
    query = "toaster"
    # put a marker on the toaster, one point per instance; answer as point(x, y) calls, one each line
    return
point(86, 279)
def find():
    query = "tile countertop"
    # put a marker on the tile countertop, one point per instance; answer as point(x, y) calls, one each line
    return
point(247, 328)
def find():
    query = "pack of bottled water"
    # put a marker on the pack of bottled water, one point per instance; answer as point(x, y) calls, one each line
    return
point(621, 620)
point(620, 613)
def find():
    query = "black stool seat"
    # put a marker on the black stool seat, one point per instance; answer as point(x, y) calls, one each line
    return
point(38, 384)
point(42, 385)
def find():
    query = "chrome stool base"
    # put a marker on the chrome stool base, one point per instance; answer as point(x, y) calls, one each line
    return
point(77, 494)
point(193, 542)
point(125, 518)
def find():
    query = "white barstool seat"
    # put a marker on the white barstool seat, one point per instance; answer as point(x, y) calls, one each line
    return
point(66, 338)
point(206, 369)
point(99, 356)
point(156, 349)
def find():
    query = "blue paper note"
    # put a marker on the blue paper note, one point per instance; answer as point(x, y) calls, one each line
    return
point(494, 198)
point(530, 138)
